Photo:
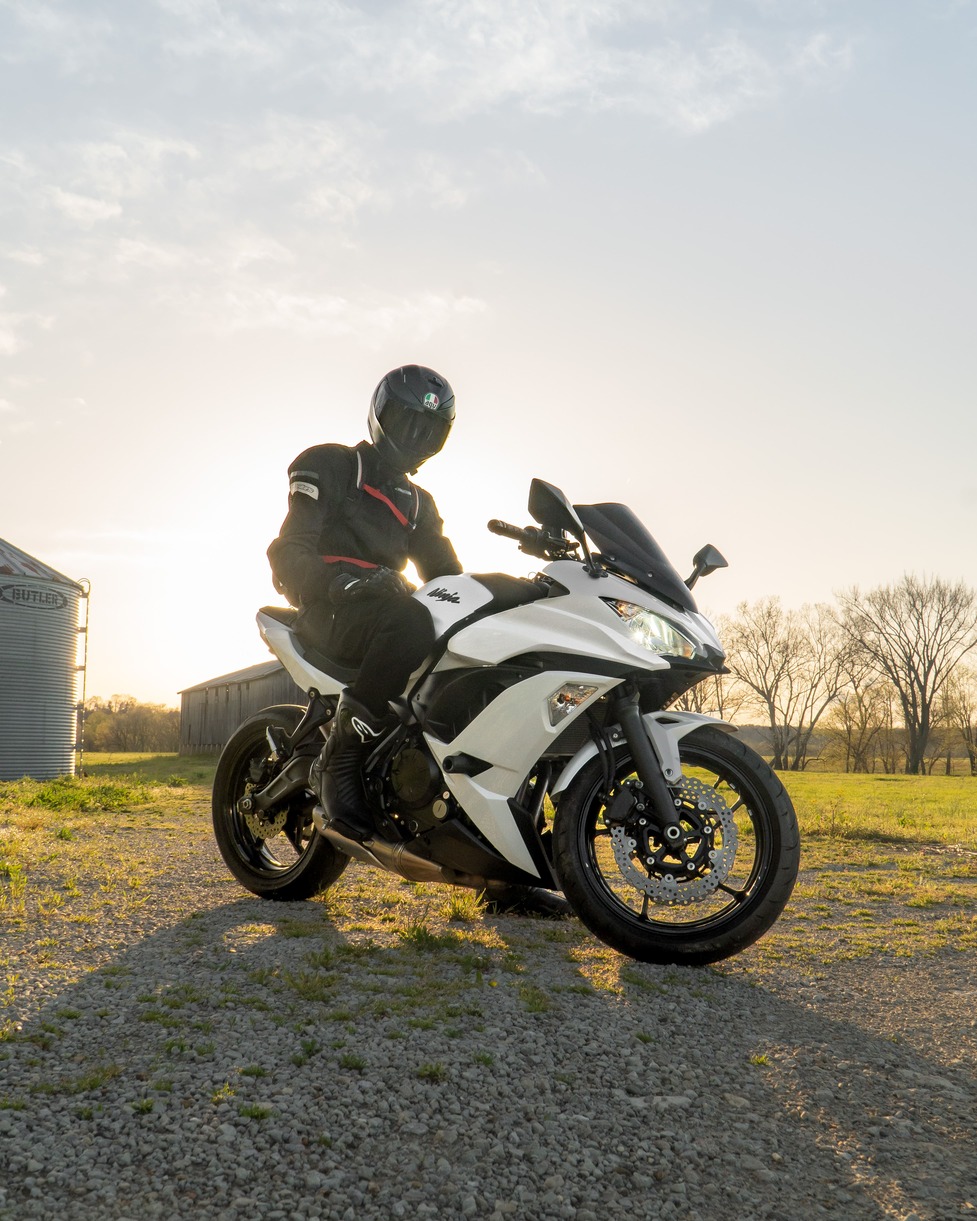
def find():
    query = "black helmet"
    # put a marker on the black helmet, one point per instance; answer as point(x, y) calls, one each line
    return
point(411, 414)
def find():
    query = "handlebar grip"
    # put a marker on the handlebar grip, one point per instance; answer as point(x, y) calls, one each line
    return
point(502, 527)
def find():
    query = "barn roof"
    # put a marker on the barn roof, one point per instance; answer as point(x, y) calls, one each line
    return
point(17, 563)
point(247, 675)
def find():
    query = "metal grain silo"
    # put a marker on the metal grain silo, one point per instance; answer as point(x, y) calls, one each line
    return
point(38, 667)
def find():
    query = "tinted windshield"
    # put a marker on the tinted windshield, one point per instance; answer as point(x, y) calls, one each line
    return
point(626, 545)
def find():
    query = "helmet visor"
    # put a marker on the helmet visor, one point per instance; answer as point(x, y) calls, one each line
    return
point(417, 434)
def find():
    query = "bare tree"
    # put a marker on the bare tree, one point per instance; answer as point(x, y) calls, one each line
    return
point(861, 722)
point(794, 664)
point(720, 695)
point(962, 701)
point(913, 634)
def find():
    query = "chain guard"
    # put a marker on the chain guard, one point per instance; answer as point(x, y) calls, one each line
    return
point(695, 802)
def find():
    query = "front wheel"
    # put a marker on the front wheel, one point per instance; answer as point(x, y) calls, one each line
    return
point(278, 854)
point(707, 897)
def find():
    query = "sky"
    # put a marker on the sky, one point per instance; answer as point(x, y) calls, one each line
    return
point(714, 259)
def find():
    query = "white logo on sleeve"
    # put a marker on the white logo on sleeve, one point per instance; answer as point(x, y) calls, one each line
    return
point(307, 489)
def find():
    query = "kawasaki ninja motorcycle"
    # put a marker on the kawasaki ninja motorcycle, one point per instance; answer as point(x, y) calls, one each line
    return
point(538, 746)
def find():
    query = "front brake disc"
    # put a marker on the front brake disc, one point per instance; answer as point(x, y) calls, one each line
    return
point(701, 807)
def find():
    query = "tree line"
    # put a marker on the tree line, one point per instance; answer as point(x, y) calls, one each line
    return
point(877, 682)
point(122, 723)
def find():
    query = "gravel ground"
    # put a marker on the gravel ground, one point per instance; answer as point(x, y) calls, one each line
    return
point(208, 1055)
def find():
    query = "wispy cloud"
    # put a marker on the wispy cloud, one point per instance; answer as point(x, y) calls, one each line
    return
point(85, 210)
point(247, 217)
point(371, 317)
point(689, 65)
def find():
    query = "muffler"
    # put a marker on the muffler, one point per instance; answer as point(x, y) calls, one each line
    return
point(394, 858)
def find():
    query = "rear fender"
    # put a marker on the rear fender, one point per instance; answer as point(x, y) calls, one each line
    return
point(665, 731)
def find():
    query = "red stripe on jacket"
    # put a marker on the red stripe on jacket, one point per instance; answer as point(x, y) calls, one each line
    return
point(347, 559)
point(378, 495)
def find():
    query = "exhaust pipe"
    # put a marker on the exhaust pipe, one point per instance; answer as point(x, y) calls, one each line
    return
point(394, 858)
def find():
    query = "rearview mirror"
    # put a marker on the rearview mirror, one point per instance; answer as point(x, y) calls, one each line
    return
point(706, 560)
point(552, 510)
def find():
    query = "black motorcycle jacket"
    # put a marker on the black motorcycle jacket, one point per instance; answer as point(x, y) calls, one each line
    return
point(347, 513)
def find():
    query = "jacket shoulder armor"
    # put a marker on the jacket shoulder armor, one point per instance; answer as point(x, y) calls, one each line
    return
point(323, 459)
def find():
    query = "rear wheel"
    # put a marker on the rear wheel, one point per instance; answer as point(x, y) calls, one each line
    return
point(705, 898)
point(277, 854)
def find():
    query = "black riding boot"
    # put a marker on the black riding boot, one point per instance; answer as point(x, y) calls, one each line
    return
point(337, 774)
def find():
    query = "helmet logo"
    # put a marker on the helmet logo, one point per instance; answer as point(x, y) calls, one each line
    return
point(432, 401)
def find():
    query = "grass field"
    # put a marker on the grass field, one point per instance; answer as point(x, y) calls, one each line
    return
point(889, 864)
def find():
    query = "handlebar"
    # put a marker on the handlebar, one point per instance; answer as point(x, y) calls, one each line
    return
point(507, 531)
point(533, 540)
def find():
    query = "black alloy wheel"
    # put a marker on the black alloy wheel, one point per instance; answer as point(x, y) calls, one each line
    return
point(704, 898)
point(278, 854)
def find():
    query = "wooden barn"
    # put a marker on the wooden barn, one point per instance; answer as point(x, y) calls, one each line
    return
point(211, 711)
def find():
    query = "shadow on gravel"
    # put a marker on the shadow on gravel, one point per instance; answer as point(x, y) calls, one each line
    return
point(270, 1060)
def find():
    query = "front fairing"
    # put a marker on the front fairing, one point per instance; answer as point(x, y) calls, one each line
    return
point(576, 620)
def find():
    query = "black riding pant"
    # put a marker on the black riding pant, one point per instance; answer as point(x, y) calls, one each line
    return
point(385, 637)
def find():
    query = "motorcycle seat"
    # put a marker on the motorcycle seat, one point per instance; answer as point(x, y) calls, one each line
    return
point(284, 614)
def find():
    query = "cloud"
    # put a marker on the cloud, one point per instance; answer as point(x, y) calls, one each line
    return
point(9, 339)
point(260, 307)
point(689, 65)
point(130, 165)
point(76, 40)
point(148, 254)
point(84, 210)
point(29, 257)
point(13, 420)
point(690, 69)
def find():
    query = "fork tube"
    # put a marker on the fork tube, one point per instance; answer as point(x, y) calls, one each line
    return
point(648, 767)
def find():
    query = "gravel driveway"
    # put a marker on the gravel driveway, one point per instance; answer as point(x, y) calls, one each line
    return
point(195, 1052)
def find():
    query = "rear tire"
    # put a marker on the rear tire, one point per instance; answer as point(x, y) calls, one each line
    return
point(294, 862)
point(755, 879)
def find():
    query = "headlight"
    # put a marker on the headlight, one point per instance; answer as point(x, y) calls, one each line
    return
point(652, 632)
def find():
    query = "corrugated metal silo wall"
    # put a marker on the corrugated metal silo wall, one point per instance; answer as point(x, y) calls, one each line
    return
point(209, 716)
point(38, 678)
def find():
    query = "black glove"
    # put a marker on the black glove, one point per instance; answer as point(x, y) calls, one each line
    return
point(378, 582)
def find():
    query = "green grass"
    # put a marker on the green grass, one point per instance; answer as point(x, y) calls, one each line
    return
point(879, 809)
point(888, 866)
point(172, 770)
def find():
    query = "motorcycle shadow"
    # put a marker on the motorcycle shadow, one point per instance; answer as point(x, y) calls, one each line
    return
point(365, 1052)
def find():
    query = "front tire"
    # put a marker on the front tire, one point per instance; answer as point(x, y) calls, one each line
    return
point(742, 858)
point(282, 856)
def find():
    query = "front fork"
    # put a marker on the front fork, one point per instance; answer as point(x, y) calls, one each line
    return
point(654, 792)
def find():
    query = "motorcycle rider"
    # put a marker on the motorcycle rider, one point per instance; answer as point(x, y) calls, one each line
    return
point(354, 520)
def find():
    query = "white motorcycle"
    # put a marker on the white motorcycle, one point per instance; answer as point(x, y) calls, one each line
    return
point(536, 747)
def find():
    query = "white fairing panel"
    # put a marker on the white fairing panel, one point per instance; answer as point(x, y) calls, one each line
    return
point(450, 599)
point(511, 734)
point(281, 640)
point(578, 622)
